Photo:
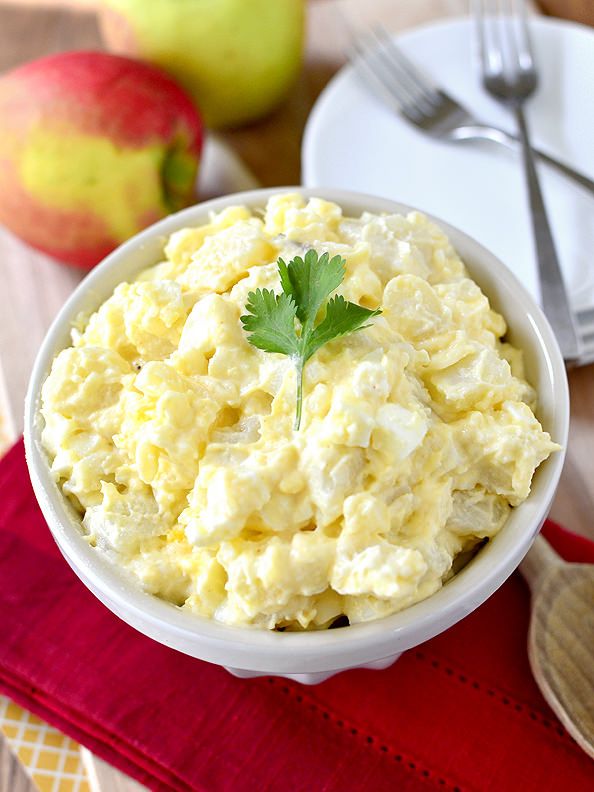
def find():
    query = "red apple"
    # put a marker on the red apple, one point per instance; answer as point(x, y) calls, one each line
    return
point(93, 148)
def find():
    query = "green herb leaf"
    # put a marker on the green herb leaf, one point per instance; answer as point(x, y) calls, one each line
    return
point(271, 322)
point(342, 317)
point(307, 282)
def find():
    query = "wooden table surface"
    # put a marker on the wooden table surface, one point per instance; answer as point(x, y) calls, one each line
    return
point(33, 287)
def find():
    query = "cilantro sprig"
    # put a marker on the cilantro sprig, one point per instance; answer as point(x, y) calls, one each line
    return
point(286, 323)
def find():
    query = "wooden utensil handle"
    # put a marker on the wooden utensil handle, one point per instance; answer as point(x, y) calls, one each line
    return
point(539, 559)
point(105, 778)
point(13, 775)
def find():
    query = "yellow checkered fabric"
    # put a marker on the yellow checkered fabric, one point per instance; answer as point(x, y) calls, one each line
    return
point(52, 760)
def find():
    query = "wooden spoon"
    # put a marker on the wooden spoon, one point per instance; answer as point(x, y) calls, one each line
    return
point(561, 638)
point(13, 776)
point(105, 778)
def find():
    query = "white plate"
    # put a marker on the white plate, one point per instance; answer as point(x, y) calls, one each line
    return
point(353, 141)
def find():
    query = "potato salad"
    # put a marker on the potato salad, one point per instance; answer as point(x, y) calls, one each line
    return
point(175, 439)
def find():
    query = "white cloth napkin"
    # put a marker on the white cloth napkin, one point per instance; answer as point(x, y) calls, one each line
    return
point(222, 171)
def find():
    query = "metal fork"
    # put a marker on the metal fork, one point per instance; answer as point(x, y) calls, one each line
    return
point(403, 86)
point(398, 82)
point(509, 74)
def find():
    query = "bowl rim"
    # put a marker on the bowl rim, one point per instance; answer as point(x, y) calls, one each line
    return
point(255, 649)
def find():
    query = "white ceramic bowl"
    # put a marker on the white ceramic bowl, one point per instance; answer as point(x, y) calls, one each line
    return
point(311, 656)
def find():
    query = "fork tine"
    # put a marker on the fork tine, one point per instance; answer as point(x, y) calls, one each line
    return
point(477, 6)
point(379, 71)
point(420, 82)
point(379, 82)
point(514, 38)
point(400, 81)
point(507, 42)
point(488, 36)
point(524, 42)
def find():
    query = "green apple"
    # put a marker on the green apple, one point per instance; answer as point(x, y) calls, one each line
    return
point(236, 57)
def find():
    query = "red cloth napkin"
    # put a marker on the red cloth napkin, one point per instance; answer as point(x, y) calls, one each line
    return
point(461, 712)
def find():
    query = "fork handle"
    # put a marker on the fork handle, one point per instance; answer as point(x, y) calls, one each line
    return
point(496, 135)
point(571, 173)
point(555, 301)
